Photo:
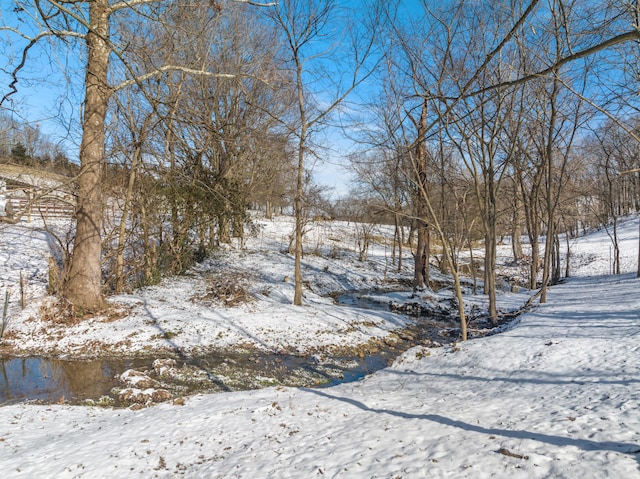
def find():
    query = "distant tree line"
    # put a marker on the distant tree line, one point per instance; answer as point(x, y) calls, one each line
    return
point(24, 144)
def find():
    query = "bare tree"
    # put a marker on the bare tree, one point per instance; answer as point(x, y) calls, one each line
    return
point(308, 29)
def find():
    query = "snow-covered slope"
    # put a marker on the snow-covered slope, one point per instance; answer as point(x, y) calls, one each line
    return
point(555, 396)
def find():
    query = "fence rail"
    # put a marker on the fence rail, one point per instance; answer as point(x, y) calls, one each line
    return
point(47, 208)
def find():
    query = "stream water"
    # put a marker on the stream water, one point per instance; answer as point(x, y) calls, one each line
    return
point(47, 380)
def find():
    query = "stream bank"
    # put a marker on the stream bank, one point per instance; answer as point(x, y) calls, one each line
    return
point(144, 381)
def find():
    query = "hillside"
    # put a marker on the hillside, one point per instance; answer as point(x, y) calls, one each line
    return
point(555, 395)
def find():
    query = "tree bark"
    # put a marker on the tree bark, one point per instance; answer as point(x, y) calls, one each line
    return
point(491, 252)
point(268, 210)
point(83, 285)
point(567, 267)
point(516, 235)
point(420, 273)
point(297, 297)
point(550, 210)
point(401, 241)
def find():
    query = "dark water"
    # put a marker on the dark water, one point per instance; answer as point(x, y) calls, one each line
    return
point(53, 380)
point(360, 300)
point(48, 381)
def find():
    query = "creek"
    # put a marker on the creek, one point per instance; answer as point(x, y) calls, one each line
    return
point(47, 381)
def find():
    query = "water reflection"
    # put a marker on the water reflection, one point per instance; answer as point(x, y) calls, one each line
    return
point(54, 380)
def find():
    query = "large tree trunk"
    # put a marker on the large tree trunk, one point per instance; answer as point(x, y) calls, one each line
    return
point(83, 285)
point(268, 210)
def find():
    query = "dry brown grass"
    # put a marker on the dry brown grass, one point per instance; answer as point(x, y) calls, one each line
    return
point(61, 312)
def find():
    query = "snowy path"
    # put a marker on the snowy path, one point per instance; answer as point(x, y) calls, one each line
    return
point(556, 396)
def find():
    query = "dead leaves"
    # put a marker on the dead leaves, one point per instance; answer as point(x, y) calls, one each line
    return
point(231, 289)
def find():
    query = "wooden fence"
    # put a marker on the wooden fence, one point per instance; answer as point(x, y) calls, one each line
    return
point(45, 207)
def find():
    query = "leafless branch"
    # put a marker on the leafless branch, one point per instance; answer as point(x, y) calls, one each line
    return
point(32, 42)
point(175, 68)
point(627, 172)
point(618, 39)
point(257, 4)
point(135, 3)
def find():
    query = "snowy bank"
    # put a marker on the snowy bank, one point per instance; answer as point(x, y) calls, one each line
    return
point(556, 396)
point(241, 298)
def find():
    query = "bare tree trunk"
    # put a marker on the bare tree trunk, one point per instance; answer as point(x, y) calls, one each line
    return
point(491, 249)
point(268, 210)
point(534, 268)
point(396, 236)
point(420, 276)
point(400, 243)
point(427, 255)
point(567, 269)
point(124, 218)
point(547, 263)
point(638, 272)
point(224, 228)
point(490, 273)
point(420, 273)
point(549, 193)
point(302, 24)
point(83, 286)
point(534, 235)
point(555, 277)
point(238, 227)
point(472, 265)
point(297, 297)
point(616, 247)
point(516, 230)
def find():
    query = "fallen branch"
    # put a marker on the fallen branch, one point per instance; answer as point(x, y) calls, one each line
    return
point(507, 452)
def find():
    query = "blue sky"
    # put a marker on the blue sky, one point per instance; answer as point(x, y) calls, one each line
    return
point(50, 96)
point(47, 93)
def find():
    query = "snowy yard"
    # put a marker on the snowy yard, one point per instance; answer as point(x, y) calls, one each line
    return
point(556, 395)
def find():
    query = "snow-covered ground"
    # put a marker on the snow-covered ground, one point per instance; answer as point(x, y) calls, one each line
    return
point(188, 312)
point(556, 395)
point(198, 311)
